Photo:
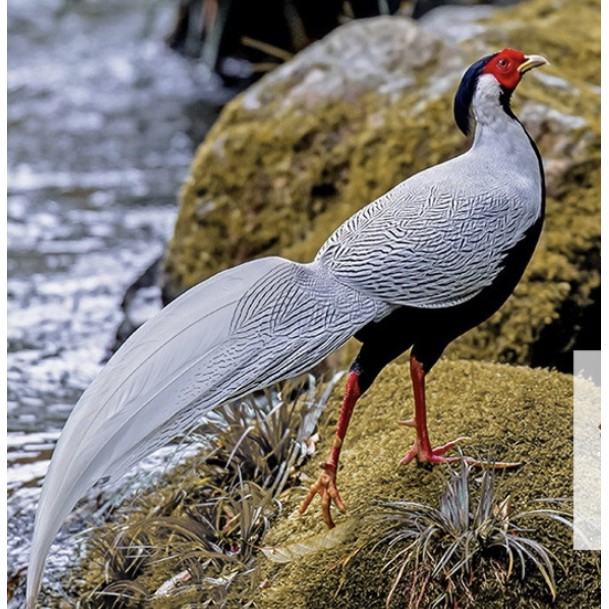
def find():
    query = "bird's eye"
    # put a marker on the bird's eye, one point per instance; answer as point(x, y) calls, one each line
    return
point(502, 63)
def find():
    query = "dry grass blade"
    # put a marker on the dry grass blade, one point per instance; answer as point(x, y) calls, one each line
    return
point(324, 541)
point(213, 524)
point(267, 48)
point(118, 594)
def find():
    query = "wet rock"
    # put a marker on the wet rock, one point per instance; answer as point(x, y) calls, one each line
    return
point(370, 105)
point(141, 301)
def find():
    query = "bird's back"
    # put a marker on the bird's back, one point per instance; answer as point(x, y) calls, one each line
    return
point(441, 236)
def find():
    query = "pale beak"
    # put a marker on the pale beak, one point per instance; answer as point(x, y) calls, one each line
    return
point(532, 61)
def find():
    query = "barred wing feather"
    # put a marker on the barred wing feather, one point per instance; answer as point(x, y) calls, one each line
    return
point(435, 244)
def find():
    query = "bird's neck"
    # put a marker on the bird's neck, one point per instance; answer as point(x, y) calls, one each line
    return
point(496, 125)
point(503, 146)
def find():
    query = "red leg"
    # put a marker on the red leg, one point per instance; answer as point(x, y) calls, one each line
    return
point(326, 483)
point(421, 449)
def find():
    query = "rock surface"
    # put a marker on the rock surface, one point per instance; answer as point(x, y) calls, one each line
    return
point(370, 105)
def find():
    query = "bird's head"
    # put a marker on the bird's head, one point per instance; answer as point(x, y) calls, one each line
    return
point(506, 68)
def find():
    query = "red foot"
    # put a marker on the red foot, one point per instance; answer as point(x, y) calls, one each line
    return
point(326, 488)
point(431, 455)
point(435, 455)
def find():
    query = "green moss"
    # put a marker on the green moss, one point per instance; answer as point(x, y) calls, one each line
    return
point(509, 413)
point(567, 33)
point(282, 186)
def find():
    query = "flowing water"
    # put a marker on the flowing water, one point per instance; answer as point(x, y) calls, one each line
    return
point(103, 121)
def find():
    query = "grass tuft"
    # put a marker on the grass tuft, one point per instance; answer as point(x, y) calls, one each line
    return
point(205, 533)
point(441, 555)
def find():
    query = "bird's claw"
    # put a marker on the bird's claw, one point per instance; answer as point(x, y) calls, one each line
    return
point(426, 454)
point(436, 455)
point(325, 487)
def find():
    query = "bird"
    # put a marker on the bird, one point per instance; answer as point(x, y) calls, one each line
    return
point(429, 260)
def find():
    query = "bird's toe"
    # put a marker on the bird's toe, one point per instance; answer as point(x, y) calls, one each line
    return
point(326, 488)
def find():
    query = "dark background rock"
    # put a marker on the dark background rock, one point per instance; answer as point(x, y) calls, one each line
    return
point(241, 39)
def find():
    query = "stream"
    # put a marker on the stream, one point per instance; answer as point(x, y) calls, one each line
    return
point(103, 121)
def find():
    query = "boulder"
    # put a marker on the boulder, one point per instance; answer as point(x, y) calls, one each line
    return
point(371, 104)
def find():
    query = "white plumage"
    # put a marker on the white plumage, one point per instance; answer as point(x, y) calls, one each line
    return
point(441, 236)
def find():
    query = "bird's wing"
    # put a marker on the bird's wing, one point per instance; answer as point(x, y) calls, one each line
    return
point(241, 330)
point(428, 242)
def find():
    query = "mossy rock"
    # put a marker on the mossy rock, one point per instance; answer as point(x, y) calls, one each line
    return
point(370, 105)
point(510, 413)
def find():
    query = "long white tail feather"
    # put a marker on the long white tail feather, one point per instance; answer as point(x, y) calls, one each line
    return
point(239, 331)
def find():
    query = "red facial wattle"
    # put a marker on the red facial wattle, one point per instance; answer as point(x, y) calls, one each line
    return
point(504, 67)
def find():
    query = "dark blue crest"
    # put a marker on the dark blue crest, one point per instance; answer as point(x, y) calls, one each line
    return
point(465, 93)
